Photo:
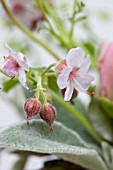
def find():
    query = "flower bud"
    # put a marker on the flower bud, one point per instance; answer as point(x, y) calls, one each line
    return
point(48, 114)
point(106, 70)
point(32, 107)
point(60, 66)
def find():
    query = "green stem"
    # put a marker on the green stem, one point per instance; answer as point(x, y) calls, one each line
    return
point(59, 37)
point(76, 114)
point(47, 69)
point(72, 21)
point(27, 32)
point(53, 15)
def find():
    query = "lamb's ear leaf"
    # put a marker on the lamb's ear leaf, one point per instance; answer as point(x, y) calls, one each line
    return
point(107, 151)
point(69, 120)
point(63, 142)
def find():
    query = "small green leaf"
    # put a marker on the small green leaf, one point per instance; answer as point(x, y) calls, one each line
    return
point(8, 85)
point(107, 105)
point(100, 121)
point(63, 142)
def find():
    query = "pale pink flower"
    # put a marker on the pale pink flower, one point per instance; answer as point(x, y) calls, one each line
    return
point(16, 65)
point(106, 70)
point(72, 75)
point(27, 13)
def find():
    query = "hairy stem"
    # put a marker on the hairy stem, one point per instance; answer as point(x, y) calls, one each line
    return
point(27, 32)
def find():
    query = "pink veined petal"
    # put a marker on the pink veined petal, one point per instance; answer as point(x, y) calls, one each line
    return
point(69, 91)
point(75, 57)
point(22, 78)
point(11, 52)
point(10, 68)
point(22, 62)
point(63, 78)
point(85, 65)
point(78, 86)
point(84, 80)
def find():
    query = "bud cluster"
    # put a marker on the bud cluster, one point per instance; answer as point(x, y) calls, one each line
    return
point(46, 111)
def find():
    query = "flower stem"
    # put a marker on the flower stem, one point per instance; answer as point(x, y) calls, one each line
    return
point(72, 20)
point(77, 115)
point(47, 69)
point(27, 32)
point(51, 29)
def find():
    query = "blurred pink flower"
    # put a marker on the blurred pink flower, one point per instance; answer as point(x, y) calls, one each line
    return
point(16, 65)
point(72, 73)
point(27, 13)
point(106, 70)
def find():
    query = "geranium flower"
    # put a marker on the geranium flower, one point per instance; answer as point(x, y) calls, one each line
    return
point(72, 73)
point(16, 65)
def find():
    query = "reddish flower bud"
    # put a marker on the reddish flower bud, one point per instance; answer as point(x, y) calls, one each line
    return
point(48, 114)
point(106, 69)
point(32, 107)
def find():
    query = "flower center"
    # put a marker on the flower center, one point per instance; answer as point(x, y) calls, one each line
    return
point(73, 72)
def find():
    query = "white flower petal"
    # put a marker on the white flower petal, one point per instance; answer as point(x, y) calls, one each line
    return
point(78, 86)
point(11, 52)
point(10, 68)
point(22, 78)
point(85, 65)
point(75, 57)
point(84, 80)
point(63, 78)
point(68, 92)
point(22, 62)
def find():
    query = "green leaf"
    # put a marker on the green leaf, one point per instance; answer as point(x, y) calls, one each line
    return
point(67, 119)
point(100, 121)
point(8, 85)
point(63, 142)
point(107, 105)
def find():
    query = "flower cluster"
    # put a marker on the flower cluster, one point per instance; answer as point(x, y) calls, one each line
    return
point(46, 111)
point(72, 78)
point(72, 73)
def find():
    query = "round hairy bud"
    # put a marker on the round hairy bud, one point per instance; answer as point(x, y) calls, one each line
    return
point(32, 107)
point(48, 114)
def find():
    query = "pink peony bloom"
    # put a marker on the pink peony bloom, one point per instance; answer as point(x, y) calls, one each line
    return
point(16, 65)
point(106, 68)
point(72, 73)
